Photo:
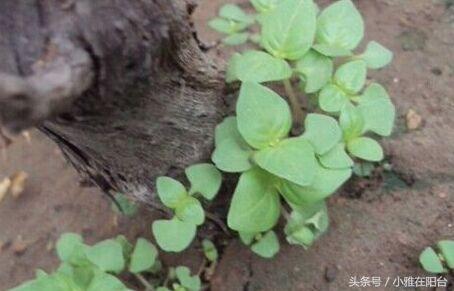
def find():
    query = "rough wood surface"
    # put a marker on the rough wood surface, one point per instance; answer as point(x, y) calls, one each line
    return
point(132, 95)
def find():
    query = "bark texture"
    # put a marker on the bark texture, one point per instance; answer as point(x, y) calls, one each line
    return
point(121, 86)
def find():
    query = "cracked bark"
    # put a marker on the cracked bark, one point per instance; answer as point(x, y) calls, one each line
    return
point(121, 86)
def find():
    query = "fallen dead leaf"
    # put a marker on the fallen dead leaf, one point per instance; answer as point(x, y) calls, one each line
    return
point(18, 183)
point(414, 120)
point(4, 187)
point(27, 136)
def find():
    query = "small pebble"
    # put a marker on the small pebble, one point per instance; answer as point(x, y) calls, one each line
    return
point(436, 71)
point(19, 246)
point(442, 195)
point(330, 274)
point(414, 120)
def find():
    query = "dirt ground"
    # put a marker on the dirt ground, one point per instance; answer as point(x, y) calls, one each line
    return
point(378, 227)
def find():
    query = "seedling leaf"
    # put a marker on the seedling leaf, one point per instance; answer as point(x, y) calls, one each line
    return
point(264, 6)
point(332, 98)
point(236, 39)
point(222, 25)
point(173, 235)
point(322, 131)
point(378, 111)
point(307, 222)
point(336, 158)
point(103, 281)
point(205, 179)
point(143, 257)
point(340, 25)
point(288, 31)
point(325, 183)
point(210, 251)
point(332, 51)
point(292, 159)
point(255, 205)
point(235, 13)
point(257, 67)
point(170, 191)
point(190, 210)
point(192, 283)
point(351, 76)
point(365, 148)
point(352, 122)
point(302, 236)
point(107, 255)
point(376, 56)
point(247, 238)
point(126, 246)
point(263, 117)
point(431, 262)
point(232, 152)
point(315, 70)
point(446, 248)
point(67, 245)
point(267, 246)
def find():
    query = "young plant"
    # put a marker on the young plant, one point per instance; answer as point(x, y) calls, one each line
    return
point(265, 245)
point(280, 166)
point(95, 268)
point(182, 280)
point(233, 22)
point(174, 235)
point(440, 261)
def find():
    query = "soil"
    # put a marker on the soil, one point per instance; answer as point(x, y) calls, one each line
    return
point(378, 225)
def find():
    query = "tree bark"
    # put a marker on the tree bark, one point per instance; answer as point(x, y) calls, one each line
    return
point(122, 86)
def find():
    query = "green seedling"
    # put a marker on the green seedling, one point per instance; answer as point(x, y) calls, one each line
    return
point(210, 251)
point(232, 21)
point(96, 267)
point(438, 261)
point(266, 245)
point(180, 279)
point(277, 166)
point(174, 235)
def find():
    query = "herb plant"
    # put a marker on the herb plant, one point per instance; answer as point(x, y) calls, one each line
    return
point(175, 234)
point(289, 160)
point(94, 268)
point(438, 261)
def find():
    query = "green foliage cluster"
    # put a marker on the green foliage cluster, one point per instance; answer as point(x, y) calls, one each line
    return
point(440, 261)
point(232, 21)
point(175, 234)
point(94, 268)
point(281, 170)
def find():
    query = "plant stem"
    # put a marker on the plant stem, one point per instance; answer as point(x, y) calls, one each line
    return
point(161, 208)
point(285, 213)
point(144, 282)
point(294, 104)
point(218, 221)
point(202, 267)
